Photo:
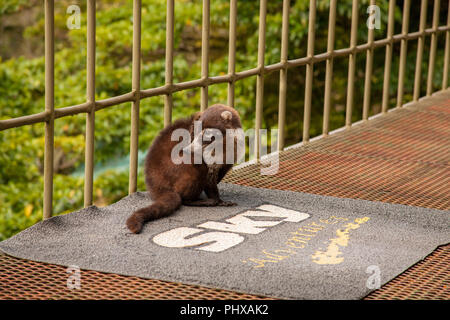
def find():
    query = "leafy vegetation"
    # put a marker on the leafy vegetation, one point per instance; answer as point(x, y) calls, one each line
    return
point(22, 88)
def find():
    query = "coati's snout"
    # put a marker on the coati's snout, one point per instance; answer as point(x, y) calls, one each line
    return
point(212, 127)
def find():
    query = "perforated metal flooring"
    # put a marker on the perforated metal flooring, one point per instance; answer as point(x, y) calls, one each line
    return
point(402, 157)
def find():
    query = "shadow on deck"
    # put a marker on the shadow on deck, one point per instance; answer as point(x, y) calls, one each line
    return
point(401, 157)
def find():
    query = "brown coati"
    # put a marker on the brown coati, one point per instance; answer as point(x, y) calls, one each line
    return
point(170, 184)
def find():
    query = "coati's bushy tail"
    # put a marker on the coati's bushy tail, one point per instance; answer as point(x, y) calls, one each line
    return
point(163, 206)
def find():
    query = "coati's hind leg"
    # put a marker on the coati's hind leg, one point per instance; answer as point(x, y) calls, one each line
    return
point(213, 200)
point(163, 205)
point(201, 203)
point(212, 192)
point(208, 203)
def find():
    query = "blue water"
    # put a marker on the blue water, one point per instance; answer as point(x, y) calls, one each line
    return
point(116, 164)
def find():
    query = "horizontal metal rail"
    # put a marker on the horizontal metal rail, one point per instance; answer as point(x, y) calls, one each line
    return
point(193, 84)
point(51, 113)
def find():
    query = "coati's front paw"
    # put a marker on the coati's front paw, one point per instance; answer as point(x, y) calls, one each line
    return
point(134, 224)
point(226, 203)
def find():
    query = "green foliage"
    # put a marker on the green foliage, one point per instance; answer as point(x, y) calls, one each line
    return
point(11, 6)
point(22, 88)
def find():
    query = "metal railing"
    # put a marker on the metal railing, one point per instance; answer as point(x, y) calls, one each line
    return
point(50, 114)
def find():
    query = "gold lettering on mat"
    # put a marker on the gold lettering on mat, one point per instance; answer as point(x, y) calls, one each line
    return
point(333, 255)
point(297, 240)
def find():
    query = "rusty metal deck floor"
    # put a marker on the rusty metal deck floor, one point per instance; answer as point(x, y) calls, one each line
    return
point(402, 157)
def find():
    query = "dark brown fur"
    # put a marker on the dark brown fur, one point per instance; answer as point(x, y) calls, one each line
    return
point(170, 184)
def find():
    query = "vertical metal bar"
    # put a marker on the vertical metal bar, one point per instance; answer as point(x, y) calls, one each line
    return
point(368, 75)
point(403, 48)
point(90, 95)
point(205, 53)
point(329, 67)
point(446, 52)
point(136, 87)
point(260, 76)
point(351, 65)
point(388, 59)
point(431, 64)
point(309, 71)
point(283, 74)
point(232, 51)
point(168, 99)
point(49, 107)
point(420, 43)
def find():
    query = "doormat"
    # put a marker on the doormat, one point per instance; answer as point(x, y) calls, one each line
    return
point(275, 243)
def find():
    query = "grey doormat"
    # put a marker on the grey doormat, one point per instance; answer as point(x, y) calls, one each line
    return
point(275, 243)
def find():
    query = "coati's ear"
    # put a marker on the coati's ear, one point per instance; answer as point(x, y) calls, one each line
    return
point(226, 115)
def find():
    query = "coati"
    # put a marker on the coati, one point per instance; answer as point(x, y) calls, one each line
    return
point(170, 185)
